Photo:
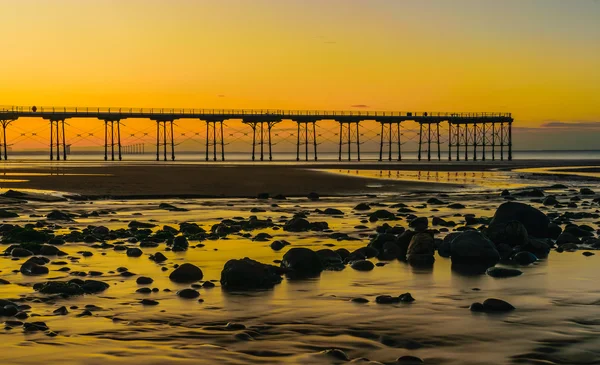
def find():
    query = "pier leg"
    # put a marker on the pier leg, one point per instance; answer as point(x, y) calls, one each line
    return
point(420, 139)
point(172, 143)
point(270, 147)
point(207, 139)
point(428, 141)
point(475, 142)
point(262, 141)
point(157, 140)
point(357, 141)
point(315, 139)
point(222, 142)
point(457, 142)
point(510, 141)
point(298, 143)
point(112, 140)
point(306, 141)
point(165, 141)
point(381, 144)
point(399, 144)
point(105, 140)
point(466, 132)
point(483, 136)
point(64, 140)
point(501, 141)
point(493, 141)
point(253, 141)
point(349, 135)
point(57, 142)
point(51, 140)
point(438, 142)
point(119, 139)
point(390, 142)
point(340, 151)
point(449, 141)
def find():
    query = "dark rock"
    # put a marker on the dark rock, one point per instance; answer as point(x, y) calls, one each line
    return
point(501, 272)
point(330, 259)
point(171, 208)
point(148, 302)
point(57, 215)
point(20, 252)
point(134, 252)
point(247, 274)
point(34, 266)
point(144, 280)
point(362, 207)
point(136, 224)
point(279, 244)
point(313, 196)
point(586, 191)
point(550, 200)
point(535, 222)
point(419, 224)
point(62, 311)
point(473, 248)
point(360, 300)
point(7, 214)
point(332, 211)
point(336, 354)
point(588, 253)
point(158, 257)
point(381, 214)
point(524, 258)
point(188, 294)
point(511, 233)
point(297, 225)
point(421, 249)
point(363, 265)
point(497, 305)
point(186, 273)
point(302, 262)
point(409, 360)
point(456, 206)
point(435, 201)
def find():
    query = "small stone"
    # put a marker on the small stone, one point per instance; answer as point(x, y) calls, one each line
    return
point(407, 359)
point(144, 280)
point(360, 300)
point(148, 302)
point(188, 294)
point(363, 265)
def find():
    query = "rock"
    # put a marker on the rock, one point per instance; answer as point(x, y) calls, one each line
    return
point(381, 214)
point(134, 252)
point(586, 191)
point(587, 253)
point(73, 287)
point(421, 249)
point(34, 266)
point(435, 201)
point(20, 252)
point(501, 272)
point(62, 311)
point(158, 257)
point(279, 244)
point(188, 293)
point(171, 208)
point(136, 224)
point(186, 273)
point(330, 260)
point(473, 248)
point(535, 222)
point(144, 280)
point(332, 211)
point(247, 274)
point(419, 224)
point(148, 302)
point(297, 225)
point(388, 299)
point(497, 305)
point(302, 262)
point(49, 250)
point(567, 237)
point(550, 200)
point(409, 360)
point(360, 300)
point(456, 206)
point(362, 265)
point(263, 196)
point(512, 233)
point(336, 354)
point(7, 214)
point(362, 207)
point(313, 196)
point(180, 243)
point(524, 258)
point(57, 215)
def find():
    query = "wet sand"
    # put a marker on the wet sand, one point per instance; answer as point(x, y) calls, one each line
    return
point(150, 179)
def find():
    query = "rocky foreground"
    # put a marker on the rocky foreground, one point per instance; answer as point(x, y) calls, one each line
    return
point(527, 227)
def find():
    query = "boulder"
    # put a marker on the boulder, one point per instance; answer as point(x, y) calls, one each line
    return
point(421, 249)
point(502, 272)
point(535, 222)
point(186, 273)
point(362, 265)
point(247, 274)
point(34, 266)
point(473, 248)
point(302, 262)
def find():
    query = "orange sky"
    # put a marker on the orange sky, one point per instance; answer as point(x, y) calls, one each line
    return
point(538, 59)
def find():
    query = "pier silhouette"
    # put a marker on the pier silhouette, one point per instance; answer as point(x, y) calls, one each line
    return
point(470, 131)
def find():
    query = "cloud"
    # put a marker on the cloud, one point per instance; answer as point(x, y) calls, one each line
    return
point(575, 124)
point(359, 106)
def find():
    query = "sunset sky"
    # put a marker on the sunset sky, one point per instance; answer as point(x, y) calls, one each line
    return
point(539, 59)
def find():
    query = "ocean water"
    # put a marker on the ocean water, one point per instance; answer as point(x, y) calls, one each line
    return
point(369, 156)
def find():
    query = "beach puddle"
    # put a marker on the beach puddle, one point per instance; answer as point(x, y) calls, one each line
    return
point(556, 321)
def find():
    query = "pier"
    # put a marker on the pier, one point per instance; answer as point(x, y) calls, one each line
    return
point(470, 135)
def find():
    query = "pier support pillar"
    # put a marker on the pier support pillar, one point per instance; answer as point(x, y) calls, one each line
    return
point(306, 135)
point(3, 145)
point(58, 139)
point(430, 136)
point(390, 136)
point(165, 138)
point(215, 139)
point(264, 134)
point(112, 137)
point(349, 135)
point(510, 141)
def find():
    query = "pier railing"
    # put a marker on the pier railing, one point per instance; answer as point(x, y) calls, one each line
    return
point(240, 112)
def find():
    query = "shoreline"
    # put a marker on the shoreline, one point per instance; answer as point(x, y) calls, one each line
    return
point(152, 180)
